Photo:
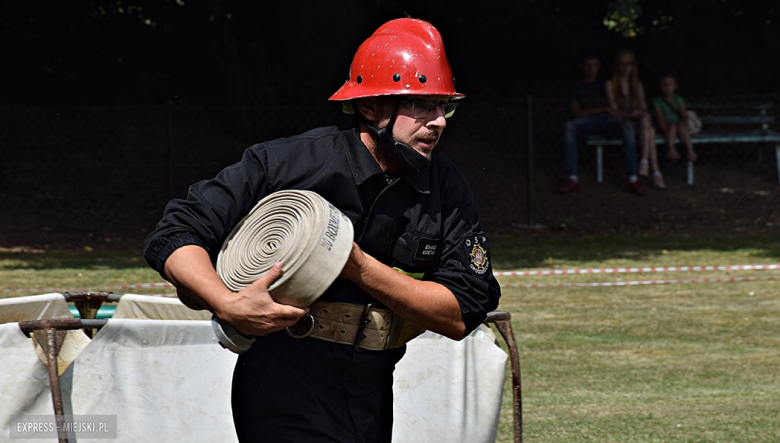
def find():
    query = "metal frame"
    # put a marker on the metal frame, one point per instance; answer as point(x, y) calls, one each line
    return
point(50, 334)
point(503, 323)
point(88, 303)
point(52, 330)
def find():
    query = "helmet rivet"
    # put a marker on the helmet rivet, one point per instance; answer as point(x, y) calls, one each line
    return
point(408, 86)
point(396, 77)
point(422, 79)
point(360, 79)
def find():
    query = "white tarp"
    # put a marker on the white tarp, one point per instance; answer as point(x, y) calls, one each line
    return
point(168, 380)
point(24, 380)
point(156, 308)
point(448, 391)
point(34, 307)
point(163, 380)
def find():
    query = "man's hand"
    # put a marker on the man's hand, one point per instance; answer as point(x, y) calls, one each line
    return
point(254, 312)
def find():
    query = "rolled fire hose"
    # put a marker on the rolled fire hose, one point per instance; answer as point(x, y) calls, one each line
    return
point(309, 236)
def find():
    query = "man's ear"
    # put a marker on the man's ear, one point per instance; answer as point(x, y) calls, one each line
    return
point(369, 108)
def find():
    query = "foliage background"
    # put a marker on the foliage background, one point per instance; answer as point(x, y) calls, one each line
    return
point(111, 52)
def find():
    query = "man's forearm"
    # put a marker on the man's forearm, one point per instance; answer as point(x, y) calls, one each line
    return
point(427, 304)
point(189, 269)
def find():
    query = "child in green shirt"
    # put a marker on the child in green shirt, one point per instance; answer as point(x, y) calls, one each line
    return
point(672, 117)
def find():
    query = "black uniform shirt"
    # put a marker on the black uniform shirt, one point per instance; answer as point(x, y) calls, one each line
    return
point(425, 222)
point(589, 95)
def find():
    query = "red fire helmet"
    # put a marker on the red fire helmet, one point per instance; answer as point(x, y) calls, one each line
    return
point(403, 57)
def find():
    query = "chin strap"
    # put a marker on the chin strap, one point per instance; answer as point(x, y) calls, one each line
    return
point(402, 151)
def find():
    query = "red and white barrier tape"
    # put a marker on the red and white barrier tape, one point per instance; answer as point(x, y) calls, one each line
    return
point(635, 270)
point(515, 274)
point(636, 283)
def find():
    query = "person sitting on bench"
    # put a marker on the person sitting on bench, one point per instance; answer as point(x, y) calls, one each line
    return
point(592, 115)
point(672, 117)
point(626, 96)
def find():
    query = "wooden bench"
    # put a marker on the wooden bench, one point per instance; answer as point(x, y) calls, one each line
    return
point(748, 124)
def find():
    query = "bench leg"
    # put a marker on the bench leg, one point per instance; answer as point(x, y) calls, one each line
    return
point(777, 155)
point(690, 173)
point(600, 163)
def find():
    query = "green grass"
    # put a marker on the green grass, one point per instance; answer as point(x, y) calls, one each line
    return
point(661, 363)
point(635, 249)
point(74, 270)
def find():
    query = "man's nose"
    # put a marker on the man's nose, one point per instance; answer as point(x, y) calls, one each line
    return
point(437, 118)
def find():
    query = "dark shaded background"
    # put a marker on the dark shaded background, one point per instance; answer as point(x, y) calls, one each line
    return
point(108, 109)
point(100, 52)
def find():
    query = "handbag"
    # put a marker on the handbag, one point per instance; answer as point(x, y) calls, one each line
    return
point(694, 123)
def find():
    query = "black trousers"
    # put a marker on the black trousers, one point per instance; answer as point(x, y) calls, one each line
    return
point(310, 390)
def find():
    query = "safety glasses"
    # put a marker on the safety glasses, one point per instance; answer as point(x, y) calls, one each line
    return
point(423, 109)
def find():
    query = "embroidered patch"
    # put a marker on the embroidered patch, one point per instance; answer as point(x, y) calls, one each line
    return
point(477, 257)
point(426, 249)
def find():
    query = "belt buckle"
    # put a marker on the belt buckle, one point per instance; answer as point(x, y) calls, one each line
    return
point(293, 334)
point(362, 326)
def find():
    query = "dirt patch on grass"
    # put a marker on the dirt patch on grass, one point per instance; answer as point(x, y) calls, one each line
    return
point(719, 201)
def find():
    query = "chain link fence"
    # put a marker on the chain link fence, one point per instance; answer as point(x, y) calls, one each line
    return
point(91, 168)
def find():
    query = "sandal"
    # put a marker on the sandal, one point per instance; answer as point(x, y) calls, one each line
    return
point(673, 155)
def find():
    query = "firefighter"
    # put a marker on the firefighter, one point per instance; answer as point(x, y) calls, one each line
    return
point(412, 212)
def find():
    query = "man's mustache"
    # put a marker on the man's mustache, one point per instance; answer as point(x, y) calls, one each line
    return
point(428, 135)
